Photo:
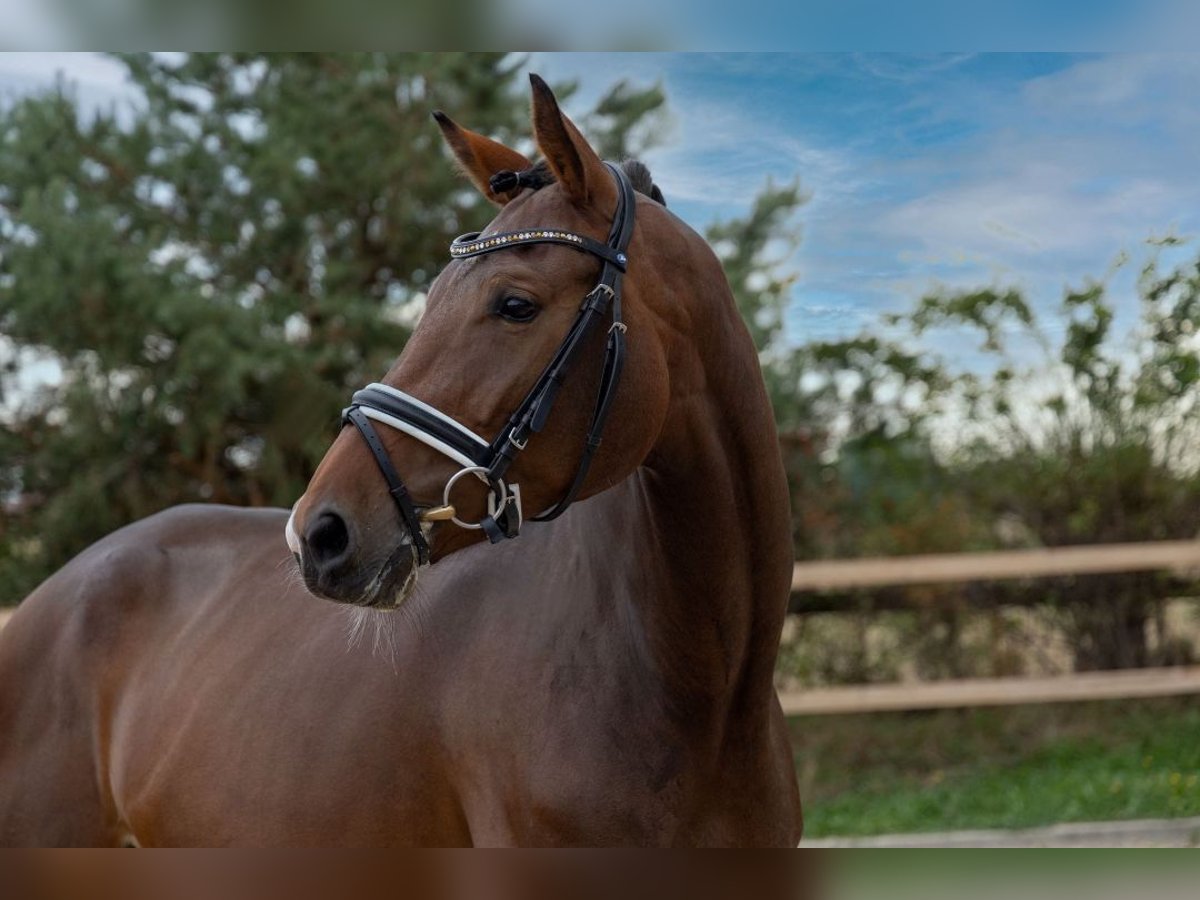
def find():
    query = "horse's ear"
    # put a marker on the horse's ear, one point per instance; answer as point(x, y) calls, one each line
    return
point(578, 169)
point(480, 157)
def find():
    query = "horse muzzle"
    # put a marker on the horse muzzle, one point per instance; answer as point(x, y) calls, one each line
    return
point(335, 566)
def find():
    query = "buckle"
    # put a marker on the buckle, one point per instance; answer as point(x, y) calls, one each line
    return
point(599, 295)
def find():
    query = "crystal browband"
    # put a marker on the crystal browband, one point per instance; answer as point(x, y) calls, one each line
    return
point(474, 245)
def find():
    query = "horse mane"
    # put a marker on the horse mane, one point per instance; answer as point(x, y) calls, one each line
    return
point(540, 175)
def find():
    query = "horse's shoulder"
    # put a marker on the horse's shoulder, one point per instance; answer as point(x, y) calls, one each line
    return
point(128, 571)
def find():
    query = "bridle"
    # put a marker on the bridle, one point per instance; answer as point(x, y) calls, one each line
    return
point(490, 461)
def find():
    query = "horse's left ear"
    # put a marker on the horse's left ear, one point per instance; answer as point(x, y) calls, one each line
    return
point(576, 165)
point(480, 157)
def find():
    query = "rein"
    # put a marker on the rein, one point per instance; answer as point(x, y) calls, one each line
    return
point(490, 461)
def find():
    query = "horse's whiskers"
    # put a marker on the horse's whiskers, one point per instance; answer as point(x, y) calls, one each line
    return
point(356, 622)
point(383, 639)
point(416, 610)
point(289, 574)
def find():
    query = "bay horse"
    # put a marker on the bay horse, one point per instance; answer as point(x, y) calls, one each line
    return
point(604, 679)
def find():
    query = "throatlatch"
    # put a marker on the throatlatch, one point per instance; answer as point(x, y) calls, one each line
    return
point(490, 461)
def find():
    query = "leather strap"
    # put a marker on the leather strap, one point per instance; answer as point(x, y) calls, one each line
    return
point(533, 411)
point(614, 353)
point(404, 504)
point(614, 360)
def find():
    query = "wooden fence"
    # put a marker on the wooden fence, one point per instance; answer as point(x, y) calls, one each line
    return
point(834, 575)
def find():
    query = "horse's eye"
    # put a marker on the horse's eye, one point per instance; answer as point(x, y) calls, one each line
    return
point(517, 309)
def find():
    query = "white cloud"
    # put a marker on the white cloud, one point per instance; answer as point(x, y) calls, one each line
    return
point(1074, 168)
point(723, 156)
point(1127, 88)
point(1036, 210)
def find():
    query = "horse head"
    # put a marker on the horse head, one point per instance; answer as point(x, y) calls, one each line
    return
point(518, 366)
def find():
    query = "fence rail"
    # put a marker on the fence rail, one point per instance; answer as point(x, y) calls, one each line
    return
point(1179, 556)
point(1121, 685)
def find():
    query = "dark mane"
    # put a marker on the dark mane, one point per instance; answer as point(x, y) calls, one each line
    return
point(540, 175)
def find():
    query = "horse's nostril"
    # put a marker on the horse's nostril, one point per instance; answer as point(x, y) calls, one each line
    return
point(327, 539)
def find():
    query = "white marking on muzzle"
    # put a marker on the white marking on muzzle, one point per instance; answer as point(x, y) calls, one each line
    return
point(293, 541)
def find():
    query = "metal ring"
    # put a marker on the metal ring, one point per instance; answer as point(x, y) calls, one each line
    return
point(479, 472)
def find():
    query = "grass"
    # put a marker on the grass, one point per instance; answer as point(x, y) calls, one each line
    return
point(1011, 767)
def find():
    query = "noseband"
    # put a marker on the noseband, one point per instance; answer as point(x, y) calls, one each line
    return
point(490, 461)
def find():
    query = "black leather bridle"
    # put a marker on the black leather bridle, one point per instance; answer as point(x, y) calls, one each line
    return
point(489, 461)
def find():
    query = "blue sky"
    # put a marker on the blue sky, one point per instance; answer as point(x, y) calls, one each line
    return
point(963, 169)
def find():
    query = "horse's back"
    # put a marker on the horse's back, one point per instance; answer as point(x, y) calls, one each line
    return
point(72, 647)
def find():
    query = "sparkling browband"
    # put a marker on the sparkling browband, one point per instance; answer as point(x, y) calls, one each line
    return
point(473, 245)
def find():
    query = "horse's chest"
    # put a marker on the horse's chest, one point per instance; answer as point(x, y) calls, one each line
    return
point(566, 752)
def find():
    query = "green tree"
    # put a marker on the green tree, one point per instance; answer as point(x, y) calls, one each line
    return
point(215, 271)
point(1094, 441)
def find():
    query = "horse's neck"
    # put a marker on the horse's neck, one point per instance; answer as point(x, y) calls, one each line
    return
point(711, 565)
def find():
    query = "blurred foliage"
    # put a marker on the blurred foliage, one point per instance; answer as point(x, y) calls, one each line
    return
point(1092, 442)
point(214, 271)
